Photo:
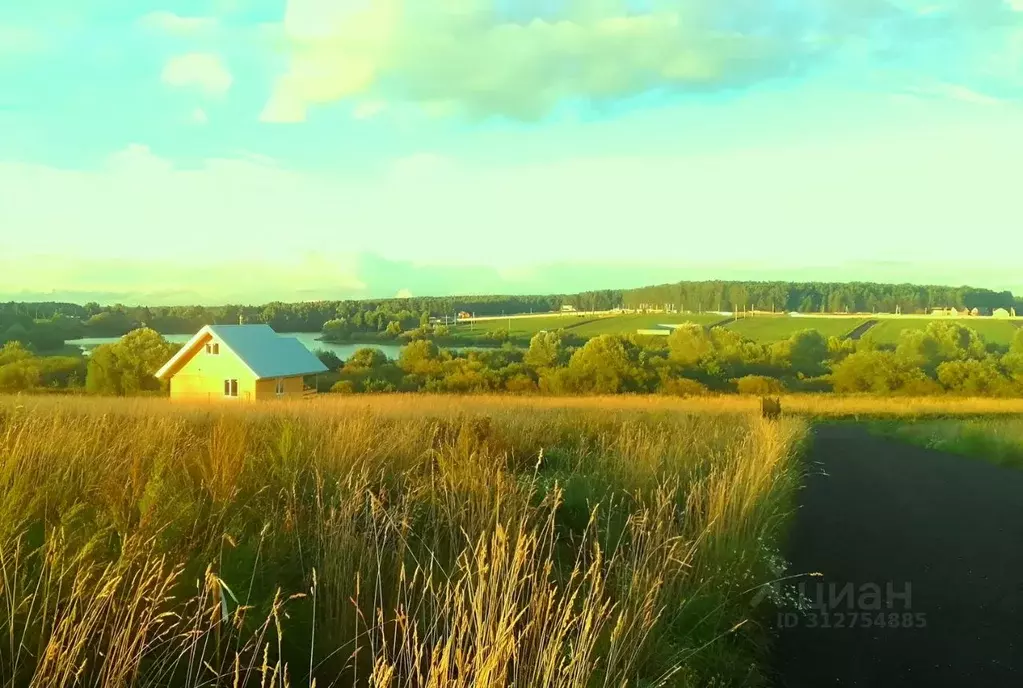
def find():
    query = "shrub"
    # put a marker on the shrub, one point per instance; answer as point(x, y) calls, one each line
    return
point(759, 385)
point(684, 387)
point(343, 387)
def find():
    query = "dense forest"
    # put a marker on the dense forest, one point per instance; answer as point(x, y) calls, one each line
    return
point(45, 326)
point(814, 297)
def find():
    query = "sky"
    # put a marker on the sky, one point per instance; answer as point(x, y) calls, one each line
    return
point(215, 151)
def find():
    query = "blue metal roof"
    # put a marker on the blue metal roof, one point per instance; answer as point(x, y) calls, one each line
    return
point(266, 353)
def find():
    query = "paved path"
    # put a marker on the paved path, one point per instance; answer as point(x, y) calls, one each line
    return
point(885, 514)
point(861, 330)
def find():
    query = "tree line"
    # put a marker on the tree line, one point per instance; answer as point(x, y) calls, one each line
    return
point(815, 297)
point(944, 358)
point(45, 326)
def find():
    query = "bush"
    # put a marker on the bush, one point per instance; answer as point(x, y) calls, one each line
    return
point(343, 387)
point(684, 387)
point(521, 384)
point(759, 385)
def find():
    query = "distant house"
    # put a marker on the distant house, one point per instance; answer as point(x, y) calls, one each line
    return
point(1000, 313)
point(566, 308)
point(240, 362)
point(464, 315)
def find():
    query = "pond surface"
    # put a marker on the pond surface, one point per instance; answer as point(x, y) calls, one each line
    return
point(309, 339)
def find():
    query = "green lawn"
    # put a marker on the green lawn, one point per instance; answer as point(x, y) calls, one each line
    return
point(628, 324)
point(993, 331)
point(581, 325)
point(519, 327)
point(777, 328)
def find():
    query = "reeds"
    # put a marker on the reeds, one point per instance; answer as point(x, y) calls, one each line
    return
point(387, 541)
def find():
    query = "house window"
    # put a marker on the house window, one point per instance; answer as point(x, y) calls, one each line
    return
point(230, 388)
point(280, 387)
point(212, 348)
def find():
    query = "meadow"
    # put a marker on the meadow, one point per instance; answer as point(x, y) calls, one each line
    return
point(579, 325)
point(998, 332)
point(397, 540)
point(520, 328)
point(628, 324)
point(765, 328)
point(997, 440)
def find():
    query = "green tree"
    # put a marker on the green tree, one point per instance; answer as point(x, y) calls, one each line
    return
point(546, 350)
point(13, 352)
point(974, 378)
point(880, 372)
point(20, 375)
point(808, 351)
point(335, 330)
point(329, 359)
point(938, 343)
point(422, 358)
point(609, 364)
point(393, 329)
point(103, 373)
point(366, 358)
point(689, 345)
point(128, 366)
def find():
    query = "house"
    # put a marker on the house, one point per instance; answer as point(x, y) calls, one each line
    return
point(567, 308)
point(240, 362)
point(1000, 313)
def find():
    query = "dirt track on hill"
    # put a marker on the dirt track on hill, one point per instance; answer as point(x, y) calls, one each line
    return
point(889, 515)
point(861, 330)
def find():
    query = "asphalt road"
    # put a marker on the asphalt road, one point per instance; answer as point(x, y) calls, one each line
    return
point(922, 560)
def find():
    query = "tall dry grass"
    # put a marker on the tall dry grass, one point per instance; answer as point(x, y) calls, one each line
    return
point(393, 542)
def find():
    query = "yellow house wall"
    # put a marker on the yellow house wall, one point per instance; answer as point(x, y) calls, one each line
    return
point(202, 378)
point(267, 389)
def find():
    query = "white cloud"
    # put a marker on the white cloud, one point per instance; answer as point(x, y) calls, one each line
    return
point(199, 117)
point(455, 52)
point(403, 294)
point(205, 71)
point(174, 24)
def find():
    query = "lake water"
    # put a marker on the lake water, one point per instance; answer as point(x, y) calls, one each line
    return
point(343, 351)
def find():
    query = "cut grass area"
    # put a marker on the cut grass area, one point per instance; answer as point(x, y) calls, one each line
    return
point(628, 324)
point(519, 328)
point(999, 332)
point(777, 328)
point(388, 541)
point(997, 440)
point(579, 325)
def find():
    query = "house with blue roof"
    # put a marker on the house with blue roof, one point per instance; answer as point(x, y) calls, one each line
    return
point(240, 363)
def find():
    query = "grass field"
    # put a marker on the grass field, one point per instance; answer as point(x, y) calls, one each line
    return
point(580, 325)
point(998, 440)
point(628, 324)
point(999, 332)
point(518, 328)
point(387, 541)
point(776, 328)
